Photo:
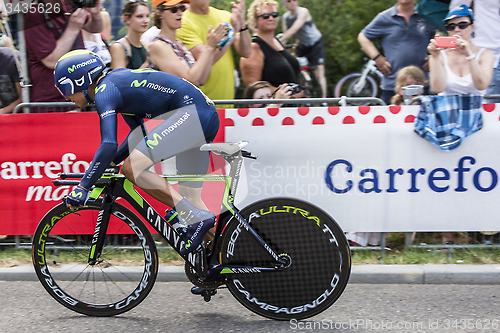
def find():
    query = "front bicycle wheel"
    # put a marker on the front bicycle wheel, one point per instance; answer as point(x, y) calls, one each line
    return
point(121, 279)
point(311, 243)
point(346, 86)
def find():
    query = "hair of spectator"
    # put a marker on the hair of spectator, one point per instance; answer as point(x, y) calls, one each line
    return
point(157, 12)
point(412, 71)
point(255, 8)
point(130, 7)
point(251, 89)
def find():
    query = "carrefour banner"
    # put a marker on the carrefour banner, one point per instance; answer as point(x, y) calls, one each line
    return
point(369, 170)
point(35, 148)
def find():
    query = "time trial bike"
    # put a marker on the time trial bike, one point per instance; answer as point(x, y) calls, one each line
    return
point(281, 258)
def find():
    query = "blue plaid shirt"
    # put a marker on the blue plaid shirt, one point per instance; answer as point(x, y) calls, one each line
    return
point(447, 120)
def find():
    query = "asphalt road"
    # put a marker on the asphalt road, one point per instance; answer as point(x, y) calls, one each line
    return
point(26, 307)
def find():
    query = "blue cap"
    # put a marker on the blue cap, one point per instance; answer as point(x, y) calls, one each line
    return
point(460, 11)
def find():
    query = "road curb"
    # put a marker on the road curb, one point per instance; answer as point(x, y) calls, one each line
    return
point(370, 274)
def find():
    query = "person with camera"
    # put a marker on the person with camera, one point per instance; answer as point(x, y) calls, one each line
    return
point(52, 30)
point(459, 67)
point(263, 90)
point(403, 36)
point(269, 60)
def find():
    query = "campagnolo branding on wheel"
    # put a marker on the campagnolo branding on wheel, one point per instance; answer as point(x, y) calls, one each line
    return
point(147, 259)
point(296, 309)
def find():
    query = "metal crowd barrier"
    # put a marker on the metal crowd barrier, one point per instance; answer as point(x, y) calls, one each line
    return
point(433, 241)
point(343, 101)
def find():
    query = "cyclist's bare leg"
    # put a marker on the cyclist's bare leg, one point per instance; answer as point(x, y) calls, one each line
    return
point(319, 71)
point(135, 168)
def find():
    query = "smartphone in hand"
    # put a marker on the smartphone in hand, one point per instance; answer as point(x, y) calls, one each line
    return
point(446, 41)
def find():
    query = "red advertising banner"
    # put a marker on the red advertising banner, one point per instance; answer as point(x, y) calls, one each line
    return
point(37, 147)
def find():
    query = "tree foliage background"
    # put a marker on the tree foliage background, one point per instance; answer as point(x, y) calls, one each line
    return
point(340, 22)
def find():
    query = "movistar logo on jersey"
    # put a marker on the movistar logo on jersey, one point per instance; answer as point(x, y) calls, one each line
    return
point(138, 84)
point(82, 64)
point(76, 195)
point(163, 89)
point(153, 143)
point(100, 88)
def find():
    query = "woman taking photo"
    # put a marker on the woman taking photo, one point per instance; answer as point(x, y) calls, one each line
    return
point(269, 60)
point(129, 51)
point(465, 68)
point(170, 55)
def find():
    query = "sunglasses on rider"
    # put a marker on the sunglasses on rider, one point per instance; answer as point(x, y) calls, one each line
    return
point(462, 25)
point(267, 15)
point(174, 10)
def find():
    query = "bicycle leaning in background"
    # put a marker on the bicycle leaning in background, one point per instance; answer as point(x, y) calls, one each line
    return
point(281, 258)
point(364, 84)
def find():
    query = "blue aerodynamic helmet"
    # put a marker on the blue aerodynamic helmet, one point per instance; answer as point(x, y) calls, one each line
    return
point(76, 70)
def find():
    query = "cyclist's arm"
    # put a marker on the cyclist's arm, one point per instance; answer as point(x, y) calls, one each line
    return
point(251, 68)
point(135, 135)
point(299, 22)
point(104, 153)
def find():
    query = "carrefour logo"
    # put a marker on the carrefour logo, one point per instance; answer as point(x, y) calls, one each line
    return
point(80, 65)
point(483, 179)
point(138, 84)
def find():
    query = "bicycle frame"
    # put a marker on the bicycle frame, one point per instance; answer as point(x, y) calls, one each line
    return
point(113, 186)
point(368, 69)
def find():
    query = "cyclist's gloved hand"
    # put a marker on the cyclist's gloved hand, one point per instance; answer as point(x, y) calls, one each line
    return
point(78, 197)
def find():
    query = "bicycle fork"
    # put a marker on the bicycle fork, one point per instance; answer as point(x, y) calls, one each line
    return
point(100, 230)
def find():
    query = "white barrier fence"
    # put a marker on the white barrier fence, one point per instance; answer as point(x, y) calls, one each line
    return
point(368, 169)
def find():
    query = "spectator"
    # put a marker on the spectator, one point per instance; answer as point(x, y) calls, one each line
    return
point(465, 69)
point(407, 76)
point(10, 89)
point(129, 51)
point(487, 35)
point(97, 43)
point(269, 61)
point(49, 37)
point(169, 55)
point(264, 90)
point(297, 21)
point(193, 33)
point(5, 40)
point(403, 35)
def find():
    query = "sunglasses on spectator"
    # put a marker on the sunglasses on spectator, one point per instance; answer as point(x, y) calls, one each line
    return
point(267, 15)
point(462, 25)
point(174, 10)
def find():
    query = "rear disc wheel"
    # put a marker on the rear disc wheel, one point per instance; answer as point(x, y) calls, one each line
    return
point(315, 251)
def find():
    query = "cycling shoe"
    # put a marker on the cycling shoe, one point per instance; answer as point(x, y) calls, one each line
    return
point(195, 234)
point(200, 291)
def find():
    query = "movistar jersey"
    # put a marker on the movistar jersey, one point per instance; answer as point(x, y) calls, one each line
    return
point(138, 94)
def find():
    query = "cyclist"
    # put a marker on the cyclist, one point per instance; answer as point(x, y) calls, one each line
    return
point(189, 120)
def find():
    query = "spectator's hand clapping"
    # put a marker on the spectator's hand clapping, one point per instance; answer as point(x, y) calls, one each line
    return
point(238, 19)
point(215, 36)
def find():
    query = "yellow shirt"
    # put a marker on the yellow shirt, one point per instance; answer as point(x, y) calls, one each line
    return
point(220, 83)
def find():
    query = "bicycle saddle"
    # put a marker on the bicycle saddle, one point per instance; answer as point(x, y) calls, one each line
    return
point(228, 148)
